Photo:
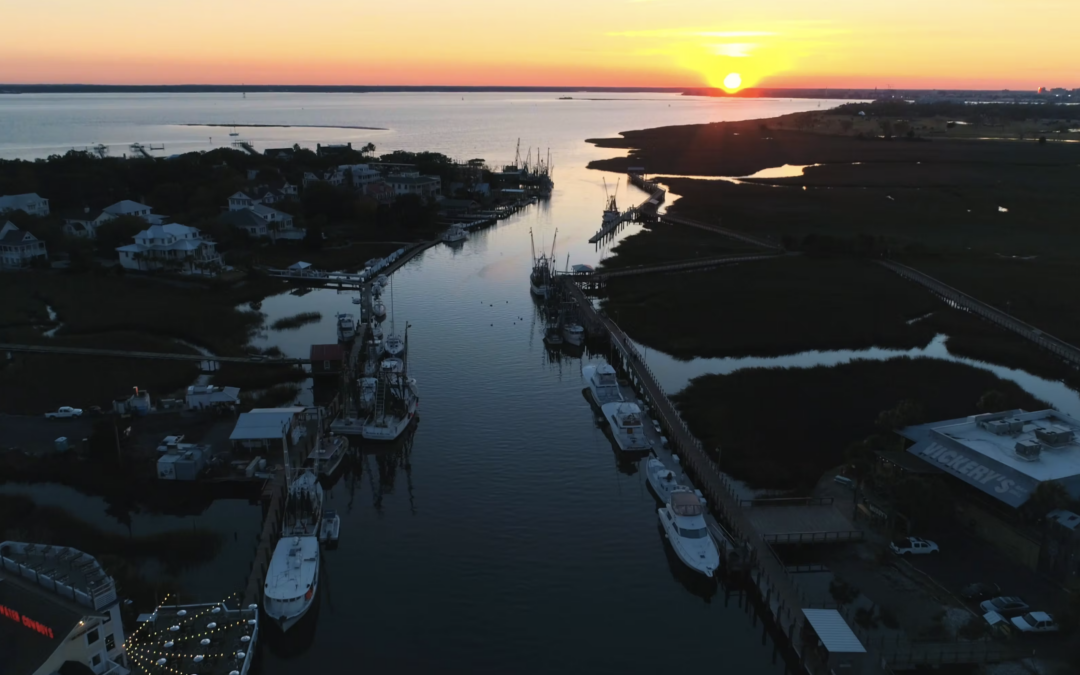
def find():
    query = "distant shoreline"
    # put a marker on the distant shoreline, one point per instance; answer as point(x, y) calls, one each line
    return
point(281, 126)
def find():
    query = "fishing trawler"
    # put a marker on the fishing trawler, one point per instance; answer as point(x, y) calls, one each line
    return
point(573, 333)
point(346, 327)
point(396, 400)
point(292, 579)
point(611, 208)
point(542, 275)
point(327, 454)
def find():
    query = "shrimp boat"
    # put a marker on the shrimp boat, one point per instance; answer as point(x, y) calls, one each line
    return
point(611, 215)
point(627, 426)
point(602, 383)
point(292, 579)
point(683, 520)
point(394, 344)
point(346, 328)
point(542, 275)
point(573, 333)
point(327, 454)
point(396, 400)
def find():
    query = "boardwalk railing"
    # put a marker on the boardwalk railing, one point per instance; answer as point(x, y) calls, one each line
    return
point(1048, 342)
point(727, 232)
point(682, 266)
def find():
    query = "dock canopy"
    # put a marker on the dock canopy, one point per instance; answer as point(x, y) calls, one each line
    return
point(299, 266)
point(833, 631)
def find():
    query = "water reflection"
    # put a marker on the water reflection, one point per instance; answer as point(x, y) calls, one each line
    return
point(674, 374)
point(785, 171)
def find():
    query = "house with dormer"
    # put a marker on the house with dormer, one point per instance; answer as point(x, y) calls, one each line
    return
point(31, 203)
point(171, 247)
point(19, 248)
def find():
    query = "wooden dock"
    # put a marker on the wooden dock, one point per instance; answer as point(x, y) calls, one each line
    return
point(646, 210)
point(273, 499)
point(725, 231)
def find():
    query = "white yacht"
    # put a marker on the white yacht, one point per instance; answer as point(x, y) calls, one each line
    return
point(603, 384)
point(662, 479)
point(627, 427)
point(376, 290)
point(454, 234)
point(346, 327)
point(327, 454)
point(573, 333)
point(292, 580)
point(378, 309)
point(293, 575)
point(683, 520)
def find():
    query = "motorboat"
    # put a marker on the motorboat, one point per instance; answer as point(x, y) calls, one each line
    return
point(346, 327)
point(292, 580)
point(328, 453)
point(627, 427)
point(331, 528)
point(573, 333)
point(661, 479)
point(603, 384)
point(382, 280)
point(454, 235)
point(376, 333)
point(683, 520)
point(378, 309)
point(376, 290)
point(357, 300)
point(394, 346)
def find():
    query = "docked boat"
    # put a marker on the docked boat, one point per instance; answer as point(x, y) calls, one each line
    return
point(542, 275)
point(683, 520)
point(327, 454)
point(376, 333)
point(603, 384)
point(661, 479)
point(292, 580)
point(573, 333)
point(378, 309)
point(611, 209)
point(627, 426)
point(292, 577)
point(346, 327)
point(553, 337)
point(394, 346)
point(382, 280)
point(331, 528)
point(455, 234)
point(396, 400)
point(368, 385)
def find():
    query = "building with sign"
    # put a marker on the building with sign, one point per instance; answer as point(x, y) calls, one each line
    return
point(995, 463)
point(58, 613)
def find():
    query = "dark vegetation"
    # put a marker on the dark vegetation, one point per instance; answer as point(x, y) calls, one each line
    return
point(772, 307)
point(254, 377)
point(781, 428)
point(296, 321)
point(658, 243)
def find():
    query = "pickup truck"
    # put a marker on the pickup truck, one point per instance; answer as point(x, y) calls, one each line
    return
point(64, 412)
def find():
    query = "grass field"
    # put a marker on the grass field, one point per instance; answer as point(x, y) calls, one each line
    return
point(657, 243)
point(781, 428)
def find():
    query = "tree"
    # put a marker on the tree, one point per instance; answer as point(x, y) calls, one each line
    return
point(1047, 497)
point(905, 414)
point(119, 231)
point(922, 499)
point(368, 149)
point(843, 592)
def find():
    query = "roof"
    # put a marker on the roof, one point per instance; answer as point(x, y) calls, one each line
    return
point(125, 207)
point(300, 265)
point(833, 631)
point(239, 195)
point(63, 571)
point(261, 426)
point(17, 202)
point(982, 451)
point(242, 218)
point(12, 235)
point(1064, 518)
point(334, 352)
point(24, 649)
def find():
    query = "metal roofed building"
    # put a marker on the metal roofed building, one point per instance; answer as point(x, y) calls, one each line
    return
point(839, 648)
point(269, 428)
point(59, 612)
point(1005, 455)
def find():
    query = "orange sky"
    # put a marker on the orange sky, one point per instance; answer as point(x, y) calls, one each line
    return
point(992, 44)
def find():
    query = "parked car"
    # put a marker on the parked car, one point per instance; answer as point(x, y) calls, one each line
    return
point(980, 591)
point(1007, 606)
point(913, 546)
point(1035, 622)
point(64, 412)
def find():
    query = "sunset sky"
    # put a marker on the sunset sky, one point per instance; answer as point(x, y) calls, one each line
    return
point(991, 44)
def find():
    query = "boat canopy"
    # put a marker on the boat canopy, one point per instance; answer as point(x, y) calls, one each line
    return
point(686, 504)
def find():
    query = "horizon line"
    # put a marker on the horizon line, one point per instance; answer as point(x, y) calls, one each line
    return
point(8, 87)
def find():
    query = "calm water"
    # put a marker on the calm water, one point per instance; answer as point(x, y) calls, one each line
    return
point(508, 540)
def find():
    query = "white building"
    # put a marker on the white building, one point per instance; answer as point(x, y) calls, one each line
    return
point(425, 186)
point(126, 207)
point(241, 200)
point(59, 612)
point(269, 430)
point(19, 248)
point(30, 202)
point(360, 175)
point(85, 224)
point(171, 246)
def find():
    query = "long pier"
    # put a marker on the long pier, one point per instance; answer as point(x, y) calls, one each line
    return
point(1048, 342)
point(351, 280)
point(681, 266)
point(160, 356)
point(727, 232)
point(645, 210)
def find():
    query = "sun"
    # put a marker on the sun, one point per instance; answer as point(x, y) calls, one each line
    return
point(732, 82)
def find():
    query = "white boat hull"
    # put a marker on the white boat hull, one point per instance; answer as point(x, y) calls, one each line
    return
point(292, 586)
point(539, 291)
point(699, 555)
point(391, 426)
point(661, 479)
point(600, 395)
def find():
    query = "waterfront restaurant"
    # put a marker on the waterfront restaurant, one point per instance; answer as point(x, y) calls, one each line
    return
point(995, 462)
point(59, 613)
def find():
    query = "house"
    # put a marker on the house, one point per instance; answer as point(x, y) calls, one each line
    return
point(59, 613)
point(279, 220)
point(246, 220)
point(380, 191)
point(359, 175)
point(332, 150)
point(241, 201)
point(279, 153)
point(30, 202)
point(171, 246)
point(126, 207)
point(206, 397)
point(327, 359)
point(84, 224)
point(19, 248)
point(425, 186)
